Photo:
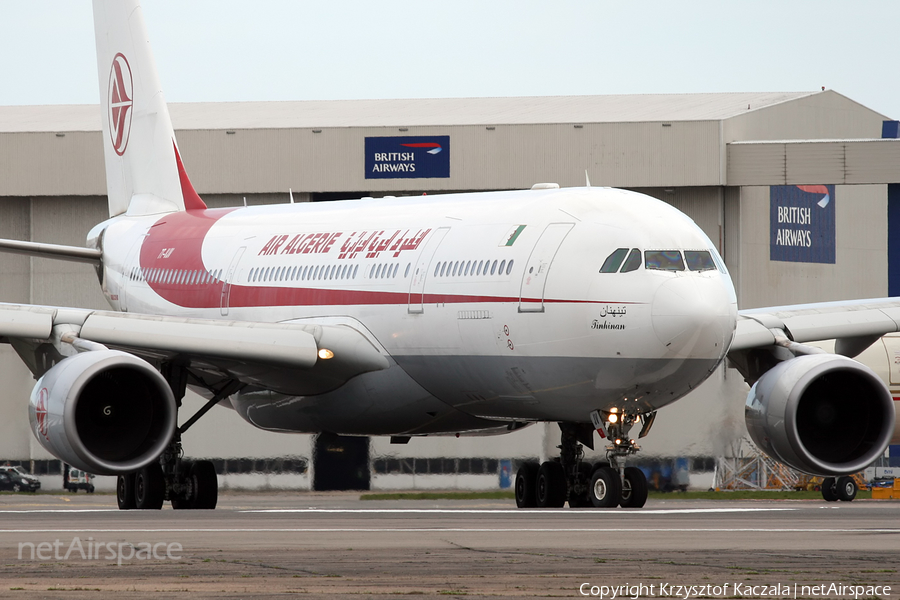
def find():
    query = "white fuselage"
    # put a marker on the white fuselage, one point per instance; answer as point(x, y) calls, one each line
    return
point(491, 306)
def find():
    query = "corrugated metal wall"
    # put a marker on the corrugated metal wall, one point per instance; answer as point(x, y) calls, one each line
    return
point(818, 162)
point(250, 161)
point(860, 269)
point(824, 116)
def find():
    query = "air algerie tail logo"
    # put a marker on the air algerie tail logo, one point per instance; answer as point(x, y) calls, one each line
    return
point(120, 103)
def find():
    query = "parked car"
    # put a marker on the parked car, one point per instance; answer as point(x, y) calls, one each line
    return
point(78, 480)
point(16, 479)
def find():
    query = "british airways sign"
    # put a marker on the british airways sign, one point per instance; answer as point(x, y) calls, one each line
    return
point(411, 157)
point(802, 223)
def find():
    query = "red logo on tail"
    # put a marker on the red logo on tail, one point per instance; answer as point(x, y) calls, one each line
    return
point(120, 91)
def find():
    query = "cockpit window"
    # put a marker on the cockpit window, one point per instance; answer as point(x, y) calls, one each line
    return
point(633, 262)
point(699, 260)
point(663, 260)
point(614, 261)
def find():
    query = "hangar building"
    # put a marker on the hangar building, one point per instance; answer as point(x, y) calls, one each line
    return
point(795, 189)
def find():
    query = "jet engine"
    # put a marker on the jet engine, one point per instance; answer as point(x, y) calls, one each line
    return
point(822, 414)
point(104, 412)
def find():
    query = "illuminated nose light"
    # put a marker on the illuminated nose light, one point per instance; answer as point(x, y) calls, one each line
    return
point(613, 418)
point(325, 354)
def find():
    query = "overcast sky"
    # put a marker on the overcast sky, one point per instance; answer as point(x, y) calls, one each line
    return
point(231, 50)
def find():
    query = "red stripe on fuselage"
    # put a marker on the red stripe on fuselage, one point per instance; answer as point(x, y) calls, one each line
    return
point(175, 243)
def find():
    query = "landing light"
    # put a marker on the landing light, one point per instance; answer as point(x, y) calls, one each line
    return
point(618, 442)
point(613, 418)
point(325, 354)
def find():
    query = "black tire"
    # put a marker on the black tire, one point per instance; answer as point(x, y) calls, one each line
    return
point(185, 502)
point(125, 491)
point(526, 485)
point(829, 493)
point(606, 488)
point(583, 499)
point(90, 489)
point(206, 485)
point(149, 488)
point(551, 485)
point(846, 489)
point(634, 488)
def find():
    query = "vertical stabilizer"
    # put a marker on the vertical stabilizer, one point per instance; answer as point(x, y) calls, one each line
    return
point(144, 172)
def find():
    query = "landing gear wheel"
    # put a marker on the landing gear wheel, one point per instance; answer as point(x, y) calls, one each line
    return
point(846, 489)
point(183, 502)
point(829, 493)
point(551, 485)
point(634, 488)
point(526, 485)
point(605, 488)
point(125, 491)
point(149, 487)
point(582, 499)
point(205, 484)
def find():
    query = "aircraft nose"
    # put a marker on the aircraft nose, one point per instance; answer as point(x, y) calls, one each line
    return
point(693, 316)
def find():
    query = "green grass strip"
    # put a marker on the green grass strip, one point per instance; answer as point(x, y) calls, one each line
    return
point(724, 495)
point(440, 496)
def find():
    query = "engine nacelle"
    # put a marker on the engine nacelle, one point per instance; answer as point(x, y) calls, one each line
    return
point(104, 412)
point(823, 414)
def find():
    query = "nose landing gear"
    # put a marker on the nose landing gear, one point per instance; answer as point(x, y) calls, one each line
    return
point(570, 478)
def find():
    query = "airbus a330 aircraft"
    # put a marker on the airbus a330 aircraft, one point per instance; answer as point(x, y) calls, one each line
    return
point(590, 307)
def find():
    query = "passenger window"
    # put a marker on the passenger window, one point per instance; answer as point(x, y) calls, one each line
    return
point(502, 265)
point(633, 262)
point(699, 260)
point(437, 269)
point(356, 268)
point(408, 265)
point(493, 267)
point(614, 260)
point(455, 266)
point(509, 267)
point(468, 265)
point(663, 260)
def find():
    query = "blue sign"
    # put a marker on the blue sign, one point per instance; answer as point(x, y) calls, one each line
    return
point(801, 223)
point(411, 157)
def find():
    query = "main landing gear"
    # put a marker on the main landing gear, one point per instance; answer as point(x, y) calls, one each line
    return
point(842, 488)
point(186, 484)
point(570, 479)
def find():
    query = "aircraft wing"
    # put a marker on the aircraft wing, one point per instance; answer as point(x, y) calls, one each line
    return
point(850, 321)
point(329, 354)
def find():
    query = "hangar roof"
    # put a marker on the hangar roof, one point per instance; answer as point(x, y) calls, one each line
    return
point(416, 112)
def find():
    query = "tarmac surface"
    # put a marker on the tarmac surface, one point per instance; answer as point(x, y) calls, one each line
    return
point(267, 545)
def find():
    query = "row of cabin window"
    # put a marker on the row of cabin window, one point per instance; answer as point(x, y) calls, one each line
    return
point(175, 276)
point(307, 273)
point(386, 271)
point(473, 267)
point(658, 260)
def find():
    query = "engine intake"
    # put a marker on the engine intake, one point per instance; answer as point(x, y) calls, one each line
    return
point(105, 412)
point(822, 414)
